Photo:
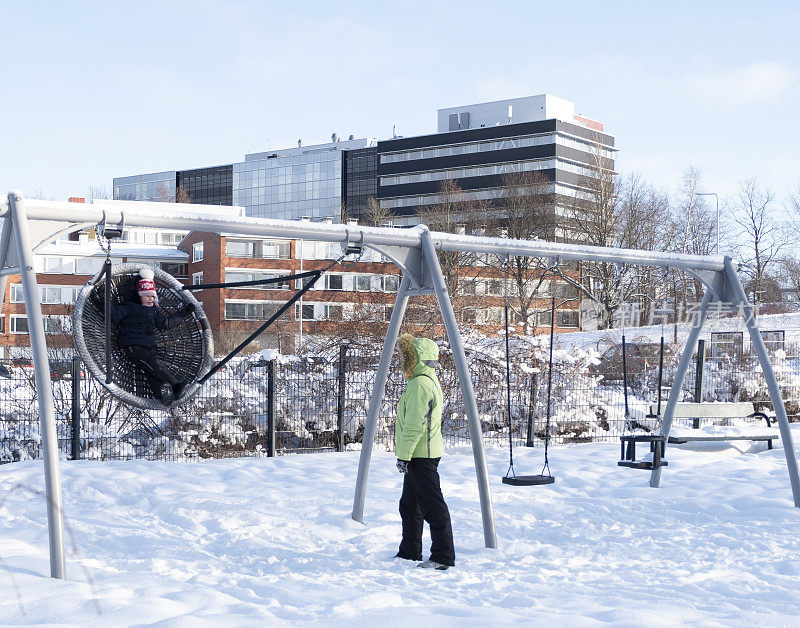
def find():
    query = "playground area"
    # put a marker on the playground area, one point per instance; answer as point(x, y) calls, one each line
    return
point(247, 541)
point(126, 365)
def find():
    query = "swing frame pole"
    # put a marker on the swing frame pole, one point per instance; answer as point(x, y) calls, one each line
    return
point(44, 389)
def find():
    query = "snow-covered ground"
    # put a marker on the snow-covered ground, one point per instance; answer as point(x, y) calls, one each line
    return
point(262, 541)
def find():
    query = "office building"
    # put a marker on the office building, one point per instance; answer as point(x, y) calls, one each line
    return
point(478, 145)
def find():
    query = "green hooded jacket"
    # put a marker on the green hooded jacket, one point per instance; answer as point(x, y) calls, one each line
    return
point(418, 432)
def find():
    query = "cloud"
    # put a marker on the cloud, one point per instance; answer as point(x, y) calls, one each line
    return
point(740, 87)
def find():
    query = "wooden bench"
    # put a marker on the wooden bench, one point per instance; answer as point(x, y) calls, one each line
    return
point(698, 412)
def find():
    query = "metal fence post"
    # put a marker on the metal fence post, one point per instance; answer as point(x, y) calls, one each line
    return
point(340, 402)
point(698, 377)
point(76, 408)
point(271, 408)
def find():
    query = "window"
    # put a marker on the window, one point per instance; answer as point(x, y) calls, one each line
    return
point(466, 286)
point(307, 311)
point(567, 318)
point(197, 252)
point(276, 249)
point(88, 265)
point(566, 291)
point(63, 265)
point(232, 276)
point(334, 282)
point(175, 269)
point(543, 318)
point(240, 248)
point(333, 312)
point(171, 238)
point(17, 293)
point(363, 283)
point(197, 278)
point(250, 310)
point(236, 311)
point(19, 325)
point(494, 315)
point(390, 283)
point(494, 287)
point(57, 324)
point(301, 283)
point(51, 294)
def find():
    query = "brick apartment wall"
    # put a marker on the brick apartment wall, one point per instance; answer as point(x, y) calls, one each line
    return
point(212, 266)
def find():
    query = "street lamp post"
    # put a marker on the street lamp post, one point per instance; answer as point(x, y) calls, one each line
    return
point(716, 198)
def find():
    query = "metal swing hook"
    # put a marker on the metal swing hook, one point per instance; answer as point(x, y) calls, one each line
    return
point(111, 233)
point(352, 246)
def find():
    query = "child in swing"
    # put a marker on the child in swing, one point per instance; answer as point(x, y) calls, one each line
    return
point(138, 322)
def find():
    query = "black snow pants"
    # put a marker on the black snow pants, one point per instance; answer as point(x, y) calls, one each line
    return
point(422, 500)
point(145, 358)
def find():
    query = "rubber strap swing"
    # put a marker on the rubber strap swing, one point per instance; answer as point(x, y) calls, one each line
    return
point(511, 477)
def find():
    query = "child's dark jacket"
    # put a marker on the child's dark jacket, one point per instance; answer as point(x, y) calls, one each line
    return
point(138, 324)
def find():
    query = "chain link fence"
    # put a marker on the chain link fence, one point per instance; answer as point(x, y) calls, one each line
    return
point(317, 403)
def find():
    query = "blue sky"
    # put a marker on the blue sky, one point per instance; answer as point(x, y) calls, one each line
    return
point(93, 90)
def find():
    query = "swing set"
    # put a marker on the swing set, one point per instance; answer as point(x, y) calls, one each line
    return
point(413, 250)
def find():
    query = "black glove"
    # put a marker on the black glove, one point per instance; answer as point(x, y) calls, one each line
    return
point(402, 466)
point(188, 308)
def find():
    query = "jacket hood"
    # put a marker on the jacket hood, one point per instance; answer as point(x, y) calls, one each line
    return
point(414, 352)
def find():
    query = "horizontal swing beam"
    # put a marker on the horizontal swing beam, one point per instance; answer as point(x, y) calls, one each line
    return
point(207, 218)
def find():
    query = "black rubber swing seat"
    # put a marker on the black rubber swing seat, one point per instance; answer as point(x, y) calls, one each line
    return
point(528, 480)
point(185, 351)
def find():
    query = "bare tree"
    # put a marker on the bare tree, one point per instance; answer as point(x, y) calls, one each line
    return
point(375, 214)
point(97, 192)
point(626, 213)
point(594, 220)
point(525, 210)
point(693, 231)
point(452, 214)
point(790, 274)
point(163, 194)
point(761, 234)
point(182, 196)
point(793, 207)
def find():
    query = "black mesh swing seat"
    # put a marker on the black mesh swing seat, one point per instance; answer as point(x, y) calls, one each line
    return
point(184, 351)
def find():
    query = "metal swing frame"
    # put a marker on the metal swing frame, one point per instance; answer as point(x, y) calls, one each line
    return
point(414, 252)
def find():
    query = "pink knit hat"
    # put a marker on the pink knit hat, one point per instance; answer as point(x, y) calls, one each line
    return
point(146, 284)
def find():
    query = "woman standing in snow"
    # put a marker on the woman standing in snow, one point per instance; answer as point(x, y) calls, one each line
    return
point(419, 447)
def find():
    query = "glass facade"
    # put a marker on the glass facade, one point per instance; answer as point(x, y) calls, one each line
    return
point(207, 186)
point(157, 186)
point(292, 183)
point(360, 179)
